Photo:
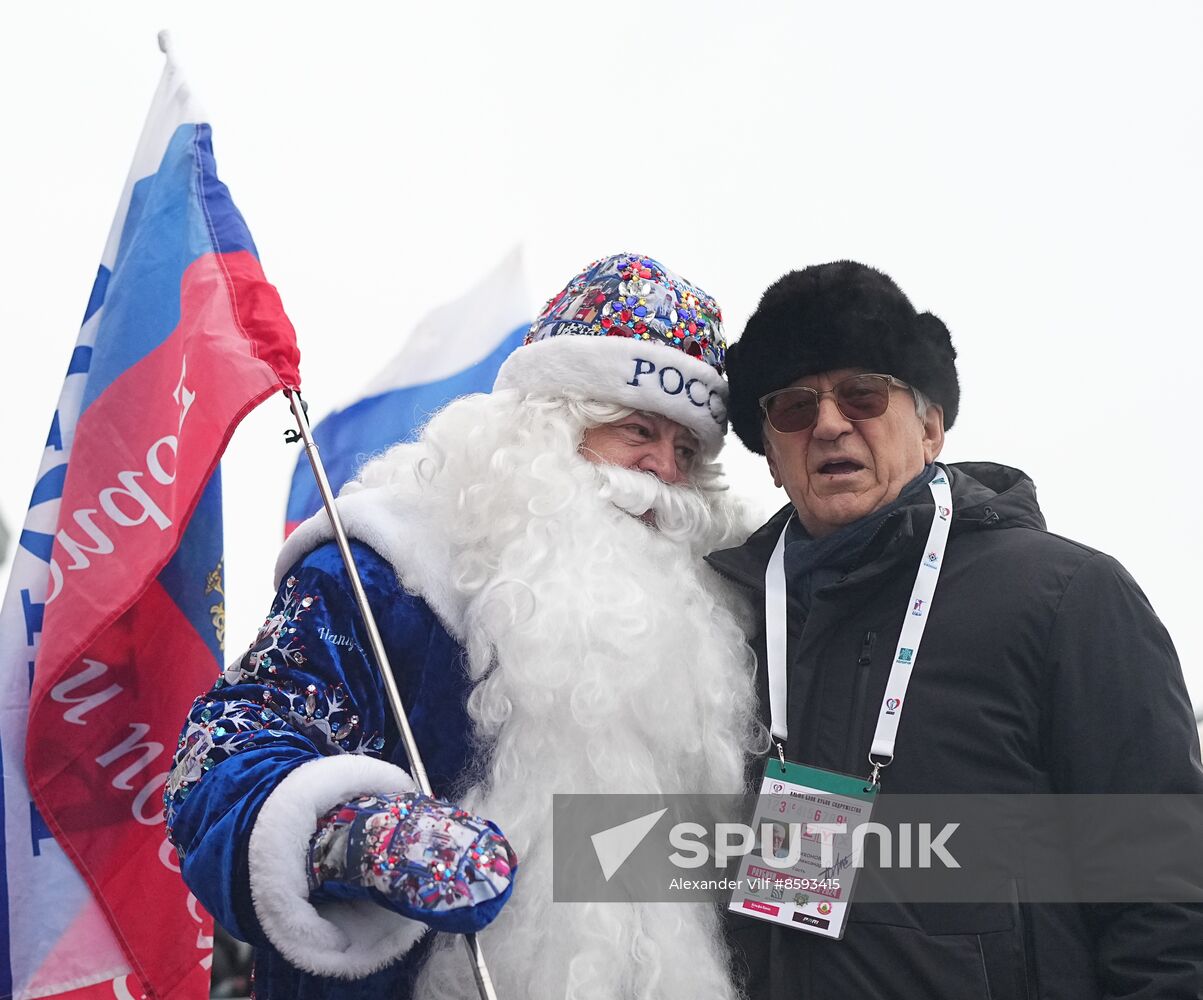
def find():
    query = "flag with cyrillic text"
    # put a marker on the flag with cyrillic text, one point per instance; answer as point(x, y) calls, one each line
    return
point(114, 615)
point(455, 350)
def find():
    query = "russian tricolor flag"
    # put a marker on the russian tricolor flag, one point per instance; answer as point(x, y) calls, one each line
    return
point(114, 615)
point(454, 351)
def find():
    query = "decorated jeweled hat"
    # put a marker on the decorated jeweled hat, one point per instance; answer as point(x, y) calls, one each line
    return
point(627, 330)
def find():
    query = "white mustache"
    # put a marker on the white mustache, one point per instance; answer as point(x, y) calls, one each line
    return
point(681, 512)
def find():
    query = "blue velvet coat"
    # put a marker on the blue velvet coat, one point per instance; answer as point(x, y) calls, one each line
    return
point(307, 689)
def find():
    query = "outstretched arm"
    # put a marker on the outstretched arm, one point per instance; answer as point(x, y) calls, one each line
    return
point(291, 730)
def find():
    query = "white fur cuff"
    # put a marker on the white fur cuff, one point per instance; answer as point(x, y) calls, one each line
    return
point(336, 938)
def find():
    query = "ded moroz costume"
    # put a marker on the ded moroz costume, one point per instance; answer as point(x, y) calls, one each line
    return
point(552, 629)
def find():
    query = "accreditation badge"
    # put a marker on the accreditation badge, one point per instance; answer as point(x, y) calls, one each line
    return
point(806, 852)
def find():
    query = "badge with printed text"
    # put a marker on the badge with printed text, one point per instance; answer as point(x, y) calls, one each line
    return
point(806, 850)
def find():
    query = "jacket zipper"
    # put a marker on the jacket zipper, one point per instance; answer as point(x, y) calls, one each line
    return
point(852, 748)
point(1023, 932)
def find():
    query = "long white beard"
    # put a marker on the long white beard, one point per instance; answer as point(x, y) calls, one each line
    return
point(606, 660)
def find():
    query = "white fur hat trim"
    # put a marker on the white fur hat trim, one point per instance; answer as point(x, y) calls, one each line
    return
point(641, 374)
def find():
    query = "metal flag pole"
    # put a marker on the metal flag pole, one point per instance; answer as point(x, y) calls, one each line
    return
point(484, 984)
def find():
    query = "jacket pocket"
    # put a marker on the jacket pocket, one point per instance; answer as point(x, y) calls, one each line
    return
point(887, 961)
point(1008, 957)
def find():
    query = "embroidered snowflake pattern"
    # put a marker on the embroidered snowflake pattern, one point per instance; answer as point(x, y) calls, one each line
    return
point(215, 730)
point(288, 700)
point(275, 647)
point(326, 716)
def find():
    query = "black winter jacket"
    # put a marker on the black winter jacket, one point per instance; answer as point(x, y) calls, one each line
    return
point(1042, 669)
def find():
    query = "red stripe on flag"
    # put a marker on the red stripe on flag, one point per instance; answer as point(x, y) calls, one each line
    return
point(145, 449)
point(119, 664)
point(111, 760)
point(259, 315)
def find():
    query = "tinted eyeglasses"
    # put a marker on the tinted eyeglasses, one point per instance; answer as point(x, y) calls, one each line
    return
point(858, 397)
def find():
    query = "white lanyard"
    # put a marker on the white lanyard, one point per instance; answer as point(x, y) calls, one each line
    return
point(913, 624)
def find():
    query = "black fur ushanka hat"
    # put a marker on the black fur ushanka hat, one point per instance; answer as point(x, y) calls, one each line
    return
point(830, 316)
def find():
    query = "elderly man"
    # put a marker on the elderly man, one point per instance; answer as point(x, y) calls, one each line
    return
point(1041, 668)
point(534, 562)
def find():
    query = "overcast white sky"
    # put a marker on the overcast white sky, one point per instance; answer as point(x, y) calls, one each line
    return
point(1029, 172)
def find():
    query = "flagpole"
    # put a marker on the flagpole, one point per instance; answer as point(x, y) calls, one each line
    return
point(484, 983)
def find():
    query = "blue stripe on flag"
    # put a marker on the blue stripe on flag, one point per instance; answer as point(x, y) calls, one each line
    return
point(142, 298)
point(38, 830)
point(186, 577)
point(33, 613)
point(50, 486)
point(96, 299)
point(173, 228)
point(348, 438)
point(55, 438)
point(81, 361)
point(38, 543)
point(227, 227)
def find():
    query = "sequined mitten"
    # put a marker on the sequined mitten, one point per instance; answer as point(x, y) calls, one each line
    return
point(422, 857)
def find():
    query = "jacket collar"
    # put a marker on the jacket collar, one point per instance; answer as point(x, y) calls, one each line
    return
point(985, 495)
